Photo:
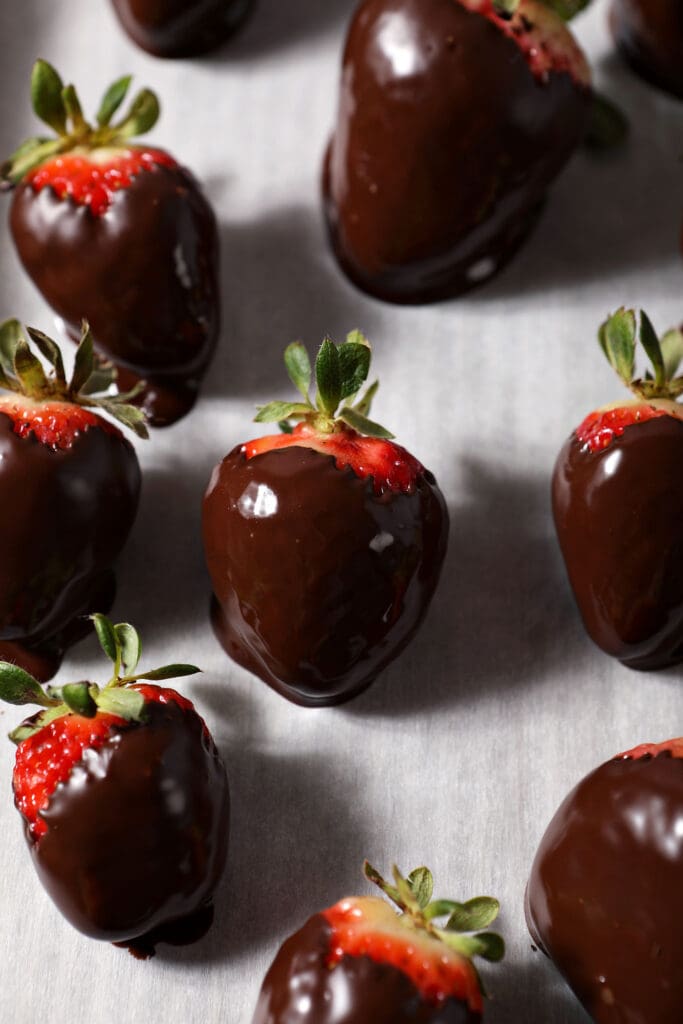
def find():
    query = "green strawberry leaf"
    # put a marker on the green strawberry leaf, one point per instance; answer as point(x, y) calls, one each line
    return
point(354, 365)
point(328, 377)
point(29, 370)
point(50, 351)
point(73, 108)
point(608, 127)
point(142, 116)
point(10, 336)
point(78, 699)
point(362, 424)
point(672, 352)
point(112, 100)
point(19, 687)
point(106, 634)
point(127, 703)
point(46, 96)
point(421, 882)
point(130, 646)
point(169, 672)
point(28, 729)
point(298, 367)
point(363, 406)
point(84, 361)
point(617, 338)
point(473, 915)
point(275, 411)
point(492, 946)
point(650, 342)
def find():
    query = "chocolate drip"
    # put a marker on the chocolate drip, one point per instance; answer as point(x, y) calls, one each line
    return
point(605, 896)
point(64, 519)
point(319, 582)
point(137, 837)
point(618, 515)
point(649, 34)
point(300, 988)
point(180, 28)
point(144, 274)
point(444, 148)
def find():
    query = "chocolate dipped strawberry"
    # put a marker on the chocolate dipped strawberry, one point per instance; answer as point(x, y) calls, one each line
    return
point(649, 34)
point(454, 118)
point(605, 899)
point(69, 488)
point(180, 28)
point(359, 962)
point(121, 234)
point(617, 497)
point(124, 799)
point(324, 543)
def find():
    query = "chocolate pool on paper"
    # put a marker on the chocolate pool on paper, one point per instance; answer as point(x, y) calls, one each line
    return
point(615, 512)
point(445, 144)
point(180, 28)
point(605, 896)
point(153, 308)
point(300, 988)
point(318, 605)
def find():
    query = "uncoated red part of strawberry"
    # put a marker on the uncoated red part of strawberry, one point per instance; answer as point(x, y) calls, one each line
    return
point(600, 428)
point(604, 895)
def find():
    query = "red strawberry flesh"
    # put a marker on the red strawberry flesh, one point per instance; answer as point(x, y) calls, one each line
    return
point(672, 747)
point(91, 181)
point(601, 427)
point(368, 927)
point(391, 467)
point(54, 424)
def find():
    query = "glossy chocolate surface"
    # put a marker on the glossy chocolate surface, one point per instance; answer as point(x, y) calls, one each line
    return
point(605, 896)
point(144, 274)
point(649, 34)
point(444, 147)
point(618, 515)
point(319, 582)
point(300, 988)
point(64, 517)
point(137, 838)
point(180, 28)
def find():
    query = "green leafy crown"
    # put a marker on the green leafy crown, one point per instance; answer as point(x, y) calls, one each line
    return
point(121, 643)
point(58, 106)
point(23, 373)
point(567, 9)
point(618, 338)
point(341, 372)
point(413, 897)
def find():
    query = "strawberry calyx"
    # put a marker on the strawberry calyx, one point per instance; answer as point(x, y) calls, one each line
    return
point(58, 106)
point(537, 28)
point(336, 422)
point(656, 391)
point(48, 405)
point(672, 748)
point(437, 959)
point(120, 697)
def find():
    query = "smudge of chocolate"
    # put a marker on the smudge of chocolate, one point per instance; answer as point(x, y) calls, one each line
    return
point(144, 275)
point(64, 519)
point(618, 515)
point(319, 582)
point(300, 988)
point(137, 837)
point(181, 28)
point(444, 148)
point(605, 896)
point(649, 34)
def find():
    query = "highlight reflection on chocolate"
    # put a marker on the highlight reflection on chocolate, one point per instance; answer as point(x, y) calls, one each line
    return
point(319, 583)
point(144, 274)
point(180, 28)
point(618, 515)
point(444, 147)
point(301, 989)
point(63, 521)
point(137, 837)
point(605, 896)
point(649, 34)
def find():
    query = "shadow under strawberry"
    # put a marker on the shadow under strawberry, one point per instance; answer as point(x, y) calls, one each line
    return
point(502, 603)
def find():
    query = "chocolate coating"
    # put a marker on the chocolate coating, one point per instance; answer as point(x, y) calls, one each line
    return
point(319, 582)
point(605, 896)
point(137, 837)
point(180, 28)
point(64, 517)
point(144, 274)
point(618, 515)
point(649, 34)
point(301, 989)
point(444, 147)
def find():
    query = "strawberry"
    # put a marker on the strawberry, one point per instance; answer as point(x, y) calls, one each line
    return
point(360, 961)
point(649, 35)
point(455, 116)
point(604, 896)
point(618, 504)
point(180, 28)
point(122, 235)
point(69, 484)
point(124, 799)
point(324, 543)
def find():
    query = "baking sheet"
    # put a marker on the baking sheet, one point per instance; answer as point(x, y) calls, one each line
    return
point(460, 753)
